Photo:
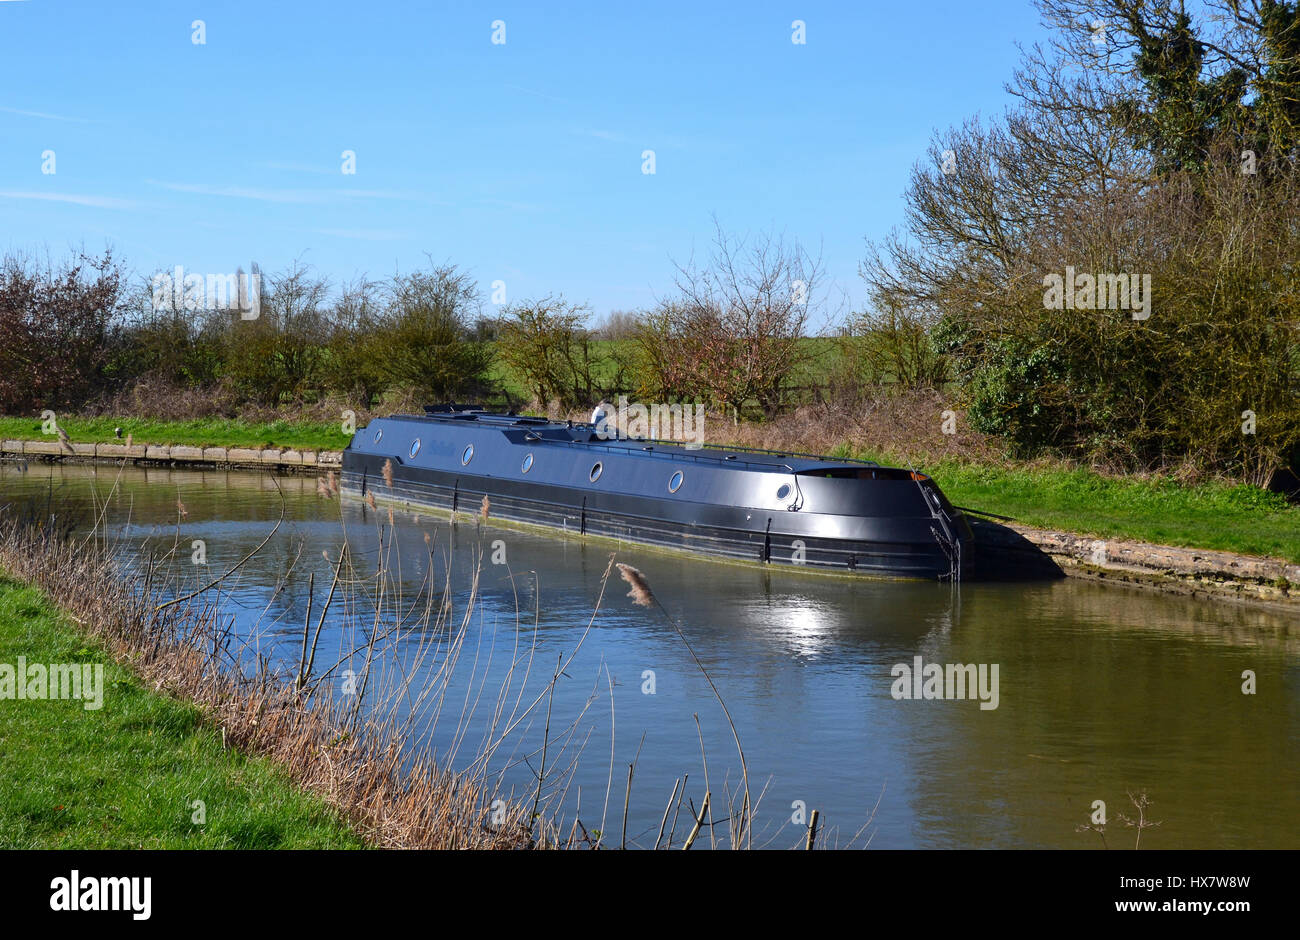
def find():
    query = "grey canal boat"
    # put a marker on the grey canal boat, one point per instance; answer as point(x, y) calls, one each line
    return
point(823, 514)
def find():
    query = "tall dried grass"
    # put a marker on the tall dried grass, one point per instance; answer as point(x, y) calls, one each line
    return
point(903, 423)
point(156, 398)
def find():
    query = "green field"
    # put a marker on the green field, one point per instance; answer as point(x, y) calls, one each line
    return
point(820, 356)
point(128, 774)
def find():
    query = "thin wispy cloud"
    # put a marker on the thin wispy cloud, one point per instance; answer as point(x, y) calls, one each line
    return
point(300, 196)
point(45, 115)
point(516, 206)
point(243, 192)
point(537, 94)
point(97, 202)
point(363, 234)
point(301, 168)
point(602, 135)
point(658, 141)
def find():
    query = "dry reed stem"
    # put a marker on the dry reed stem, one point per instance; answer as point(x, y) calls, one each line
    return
point(699, 822)
point(641, 594)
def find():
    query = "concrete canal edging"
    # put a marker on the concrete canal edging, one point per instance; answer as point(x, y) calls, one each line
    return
point(1186, 571)
point(286, 460)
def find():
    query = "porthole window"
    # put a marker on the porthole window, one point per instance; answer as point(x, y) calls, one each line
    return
point(467, 454)
point(415, 447)
point(379, 435)
point(783, 491)
point(596, 469)
point(675, 481)
point(527, 464)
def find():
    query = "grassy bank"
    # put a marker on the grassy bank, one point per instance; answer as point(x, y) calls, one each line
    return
point(127, 775)
point(200, 432)
point(1214, 515)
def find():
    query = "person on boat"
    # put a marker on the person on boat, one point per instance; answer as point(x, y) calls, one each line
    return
point(599, 417)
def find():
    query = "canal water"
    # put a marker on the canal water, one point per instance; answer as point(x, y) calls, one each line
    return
point(1100, 692)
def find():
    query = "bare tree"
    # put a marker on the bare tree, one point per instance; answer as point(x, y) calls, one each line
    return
point(735, 324)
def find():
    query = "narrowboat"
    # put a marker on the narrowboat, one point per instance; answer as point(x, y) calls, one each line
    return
point(820, 514)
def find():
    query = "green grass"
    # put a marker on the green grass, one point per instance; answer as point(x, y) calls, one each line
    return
point(201, 432)
point(1214, 515)
point(127, 775)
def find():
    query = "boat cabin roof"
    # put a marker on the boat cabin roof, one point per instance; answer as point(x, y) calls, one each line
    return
point(528, 429)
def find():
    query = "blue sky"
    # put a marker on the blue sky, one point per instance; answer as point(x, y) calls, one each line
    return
point(519, 162)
